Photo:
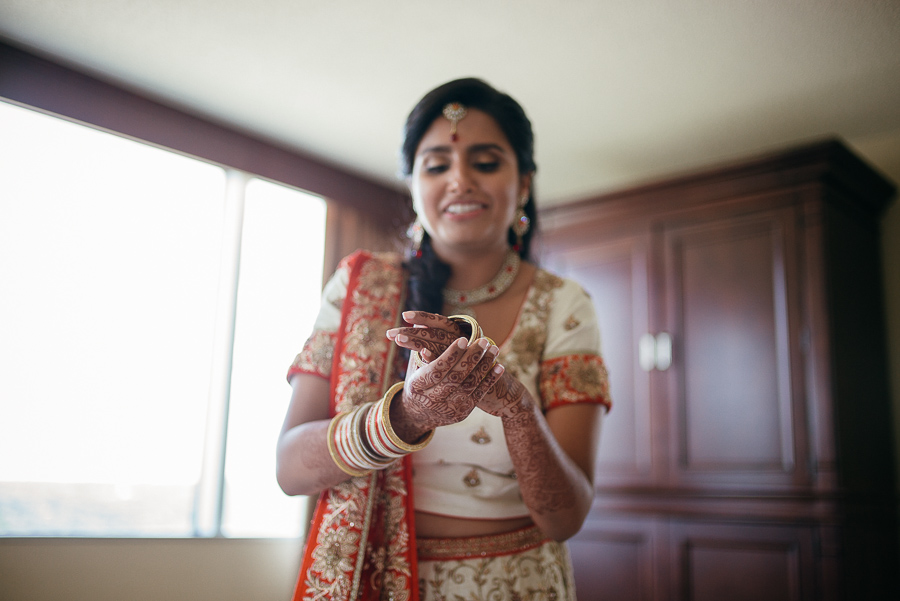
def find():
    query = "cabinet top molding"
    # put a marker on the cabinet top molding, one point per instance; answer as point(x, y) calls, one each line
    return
point(826, 163)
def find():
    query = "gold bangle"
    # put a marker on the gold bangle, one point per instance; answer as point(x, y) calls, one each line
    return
point(473, 325)
point(333, 452)
point(476, 333)
point(376, 435)
point(386, 419)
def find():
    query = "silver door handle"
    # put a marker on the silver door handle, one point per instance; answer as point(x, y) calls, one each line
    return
point(647, 352)
point(663, 351)
point(655, 352)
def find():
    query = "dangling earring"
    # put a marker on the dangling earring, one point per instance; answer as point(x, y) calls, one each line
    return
point(521, 224)
point(416, 233)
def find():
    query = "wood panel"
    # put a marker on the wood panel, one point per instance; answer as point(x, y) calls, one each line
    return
point(770, 447)
point(727, 301)
point(615, 560)
point(349, 229)
point(742, 562)
point(614, 273)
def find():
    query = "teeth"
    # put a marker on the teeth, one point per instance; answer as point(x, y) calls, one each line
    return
point(463, 208)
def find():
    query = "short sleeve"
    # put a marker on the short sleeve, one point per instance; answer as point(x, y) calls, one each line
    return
point(318, 351)
point(572, 369)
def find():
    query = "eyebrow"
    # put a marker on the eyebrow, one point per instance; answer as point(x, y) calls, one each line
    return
point(471, 149)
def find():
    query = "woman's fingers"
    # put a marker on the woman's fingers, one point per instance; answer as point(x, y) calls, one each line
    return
point(447, 389)
point(480, 364)
point(421, 339)
point(461, 367)
point(441, 367)
point(504, 397)
point(431, 397)
point(429, 331)
point(493, 376)
point(430, 320)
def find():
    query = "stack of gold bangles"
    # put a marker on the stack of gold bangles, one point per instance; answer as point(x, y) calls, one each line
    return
point(363, 440)
point(465, 320)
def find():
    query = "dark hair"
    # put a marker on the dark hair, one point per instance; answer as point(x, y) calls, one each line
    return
point(428, 274)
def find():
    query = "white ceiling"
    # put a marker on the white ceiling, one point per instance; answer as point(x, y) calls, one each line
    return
point(619, 91)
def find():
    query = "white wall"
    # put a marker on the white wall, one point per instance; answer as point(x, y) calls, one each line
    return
point(148, 570)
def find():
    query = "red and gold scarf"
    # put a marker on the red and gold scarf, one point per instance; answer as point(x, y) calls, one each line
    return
point(361, 543)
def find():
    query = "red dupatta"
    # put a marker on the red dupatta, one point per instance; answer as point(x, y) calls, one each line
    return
point(361, 543)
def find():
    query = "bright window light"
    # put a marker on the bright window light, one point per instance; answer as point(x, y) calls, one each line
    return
point(111, 255)
point(278, 299)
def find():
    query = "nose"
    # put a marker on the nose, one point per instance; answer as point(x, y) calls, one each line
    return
point(461, 178)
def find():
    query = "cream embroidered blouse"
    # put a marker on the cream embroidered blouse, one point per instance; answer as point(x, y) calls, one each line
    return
point(554, 350)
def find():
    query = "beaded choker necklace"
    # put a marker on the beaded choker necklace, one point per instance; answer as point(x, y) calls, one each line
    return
point(461, 300)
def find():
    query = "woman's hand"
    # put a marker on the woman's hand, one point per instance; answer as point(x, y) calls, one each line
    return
point(431, 334)
point(507, 398)
point(447, 389)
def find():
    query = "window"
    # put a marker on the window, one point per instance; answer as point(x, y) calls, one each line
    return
point(277, 303)
point(128, 343)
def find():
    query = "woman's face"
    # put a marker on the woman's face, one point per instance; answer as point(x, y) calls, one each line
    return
point(466, 191)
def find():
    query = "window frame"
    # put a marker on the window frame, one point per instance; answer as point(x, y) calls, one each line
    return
point(360, 211)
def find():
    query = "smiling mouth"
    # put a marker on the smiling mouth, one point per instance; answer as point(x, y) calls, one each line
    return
point(461, 208)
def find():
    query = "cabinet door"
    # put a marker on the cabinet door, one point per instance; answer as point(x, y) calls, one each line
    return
point(618, 559)
point(711, 562)
point(614, 273)
point(734, 392)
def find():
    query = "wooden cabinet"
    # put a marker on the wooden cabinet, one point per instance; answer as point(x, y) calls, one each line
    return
point(749, 451)
point(650, 558)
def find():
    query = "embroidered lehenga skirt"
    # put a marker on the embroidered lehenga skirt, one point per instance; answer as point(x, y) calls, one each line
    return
point(517, 566)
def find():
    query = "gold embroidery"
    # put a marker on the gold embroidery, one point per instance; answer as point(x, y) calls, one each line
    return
point(472, 479)
point(528, 343)
point(571, 323)
point(430, 549)
point(332, 558)
point(388, 561)
point(316, 356)
point(514, 566)
point(379, 282)
point(530, 336)
point(575, 379)
point(366, 330)
point(481, 437)
point(362, 541)
point(589, 378)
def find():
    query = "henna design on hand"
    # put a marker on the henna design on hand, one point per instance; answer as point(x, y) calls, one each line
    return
point(505, 398)
point(429, 331)
point(531, 445)
point(446, 390)
point(548, 489)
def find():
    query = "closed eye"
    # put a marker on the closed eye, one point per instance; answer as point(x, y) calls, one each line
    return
point(487, 166)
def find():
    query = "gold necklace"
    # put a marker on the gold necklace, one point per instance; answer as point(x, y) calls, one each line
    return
point(461, 300)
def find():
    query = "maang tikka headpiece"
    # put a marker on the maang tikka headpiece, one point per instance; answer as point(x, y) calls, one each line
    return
point(454, 112)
